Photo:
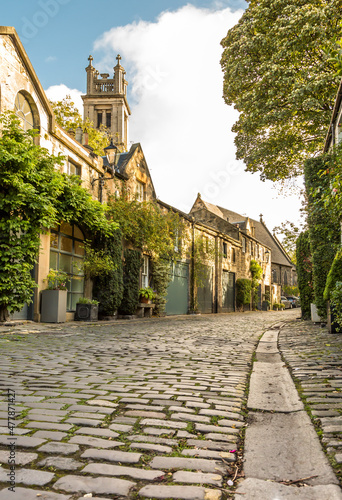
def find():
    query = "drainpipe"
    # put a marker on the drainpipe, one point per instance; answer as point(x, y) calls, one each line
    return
point(192, 266)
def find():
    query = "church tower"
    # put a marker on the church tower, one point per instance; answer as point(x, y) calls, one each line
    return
point(106, 101)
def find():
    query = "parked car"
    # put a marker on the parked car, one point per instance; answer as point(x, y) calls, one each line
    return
point(286, 302)
point(295, 302)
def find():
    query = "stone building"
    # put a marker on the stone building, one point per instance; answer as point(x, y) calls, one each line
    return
point(257, 243)
point(225, 247)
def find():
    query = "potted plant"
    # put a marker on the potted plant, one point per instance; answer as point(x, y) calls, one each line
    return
point(54, 298)
point(87, 310)
point(276, 306)
point(146, 295)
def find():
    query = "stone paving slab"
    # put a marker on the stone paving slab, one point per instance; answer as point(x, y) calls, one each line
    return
point(27, 477)
point(256, 489)
point(315, 360)
point(119, 470)
point(272, 389)
point(180, 492)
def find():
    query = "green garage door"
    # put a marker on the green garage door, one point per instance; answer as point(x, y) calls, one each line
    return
point(178, 289)
point(228, 291)
point(205, 291)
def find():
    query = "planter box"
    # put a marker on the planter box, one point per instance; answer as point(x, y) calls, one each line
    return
point(314, 314)
point(86, 312)
point(53, 306)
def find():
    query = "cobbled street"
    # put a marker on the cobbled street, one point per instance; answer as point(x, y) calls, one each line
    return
point(143, 409)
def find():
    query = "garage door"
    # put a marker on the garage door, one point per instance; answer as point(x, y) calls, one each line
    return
point(178, 289)
point(228, 291)
point(205, 291)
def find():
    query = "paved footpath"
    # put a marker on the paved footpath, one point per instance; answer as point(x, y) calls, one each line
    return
point(141, 409)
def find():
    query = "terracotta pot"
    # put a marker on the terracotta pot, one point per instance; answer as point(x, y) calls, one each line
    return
point(145, 300)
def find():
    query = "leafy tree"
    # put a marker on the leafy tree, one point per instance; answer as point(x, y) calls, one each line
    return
point(68, 117)
point(145, 226)
point(29, 186)
point(290, 233)
point(280, 74)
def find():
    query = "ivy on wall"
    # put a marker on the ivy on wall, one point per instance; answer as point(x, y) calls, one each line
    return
point(324, 230)
point(304, 273)
point(131, 281)
point(243, 292)
point(108, 277)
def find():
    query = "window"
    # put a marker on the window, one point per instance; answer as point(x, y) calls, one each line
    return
point(73, 169)
point(256, 251)
point(250, 247)
point(67, 254)
point(108, 120)
point(285, 278)
point(274, 276)
point(261, 253)
point(225, 249)
point(99, 119)
point(233, 255)
point(243, 241)
point(140, 191)
point(144, 272)
point(24, 112)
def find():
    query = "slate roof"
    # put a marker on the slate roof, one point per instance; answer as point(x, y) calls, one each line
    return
point(279, 255)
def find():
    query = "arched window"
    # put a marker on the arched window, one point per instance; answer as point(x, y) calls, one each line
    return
point(67, 254)
point(27, 112)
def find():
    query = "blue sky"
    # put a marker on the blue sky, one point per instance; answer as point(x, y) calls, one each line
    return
point(171, 51)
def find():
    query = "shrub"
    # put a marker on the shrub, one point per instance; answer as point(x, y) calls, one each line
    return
point(324, 229)
point(334, 275)
point(336, 303)
point(243, 292)
point(131, 278)
point(304, 273)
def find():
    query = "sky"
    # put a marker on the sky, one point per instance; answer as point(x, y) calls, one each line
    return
point(171, 52)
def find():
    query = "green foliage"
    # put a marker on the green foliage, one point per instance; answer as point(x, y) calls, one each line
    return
point(324, 230)
point(304, 273)
point(29, 186)
point(256, 272)
point(336, 303)
point(57, 280)
point(161, 279)
point(84, 300)
point(68, 117)
point(147, 293)
point(334, 275)
point(131, 277)
point(107, 272)
point(145, 226)
point(75, 205)
point(34, 197)
point(243, 292)
point(290, 233)
point(276, 306)
point(290, 290)
point(279, 74)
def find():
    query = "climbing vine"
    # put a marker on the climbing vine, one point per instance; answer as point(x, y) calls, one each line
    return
point(304, 273)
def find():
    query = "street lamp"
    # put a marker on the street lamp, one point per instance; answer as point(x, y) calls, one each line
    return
point(267, 255)
point(112, 160)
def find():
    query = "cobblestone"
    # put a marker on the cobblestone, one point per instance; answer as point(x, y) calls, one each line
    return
point(315, 360)
point(157, 386)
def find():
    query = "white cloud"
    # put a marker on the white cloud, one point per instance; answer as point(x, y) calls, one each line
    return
point(59, 92)
point(50, 59)
point(178, 114)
